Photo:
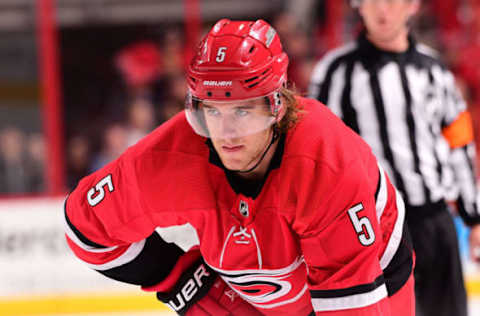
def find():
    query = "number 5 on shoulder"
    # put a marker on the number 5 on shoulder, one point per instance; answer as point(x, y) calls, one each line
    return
point(362, 226)
point(96, 194)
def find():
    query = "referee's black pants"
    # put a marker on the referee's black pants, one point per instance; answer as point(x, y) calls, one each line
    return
point(439, 284)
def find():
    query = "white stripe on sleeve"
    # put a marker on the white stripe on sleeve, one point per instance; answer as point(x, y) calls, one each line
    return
point(351, 301)
point(397, 232)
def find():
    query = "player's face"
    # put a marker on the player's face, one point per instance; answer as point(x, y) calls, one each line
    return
point(240, 131)
point(385, 20)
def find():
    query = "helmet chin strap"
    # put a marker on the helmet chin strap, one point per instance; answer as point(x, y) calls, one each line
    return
point(274, 138)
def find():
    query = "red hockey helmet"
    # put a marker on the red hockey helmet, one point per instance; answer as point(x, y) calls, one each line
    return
point(237, 60)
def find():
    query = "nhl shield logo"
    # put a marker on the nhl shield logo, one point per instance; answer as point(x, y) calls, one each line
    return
point(243, 208)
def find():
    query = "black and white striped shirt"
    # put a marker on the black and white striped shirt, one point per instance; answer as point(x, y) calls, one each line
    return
point(400, 103)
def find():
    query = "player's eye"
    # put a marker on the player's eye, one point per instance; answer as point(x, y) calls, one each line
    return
point(241, 112)
point(212, 112)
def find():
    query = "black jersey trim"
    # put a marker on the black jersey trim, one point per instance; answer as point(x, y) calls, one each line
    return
point(379, 184)
point(400, 267)
point(77, 233)
point(152, 265)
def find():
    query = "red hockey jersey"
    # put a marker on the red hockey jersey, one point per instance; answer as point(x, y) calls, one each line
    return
point(322, 233)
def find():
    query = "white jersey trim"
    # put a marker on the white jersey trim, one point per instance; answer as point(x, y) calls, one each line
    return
point(225, 244)
point(184, 236)
point(129, 255)
point(349, 302)
point(73, 237)
point(381, 201)
point(397, 232)
point(259, 253)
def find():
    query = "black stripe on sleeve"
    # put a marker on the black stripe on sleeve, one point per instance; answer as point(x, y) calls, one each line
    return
point(358, 289)
point(151, 266)
point(77, 233)
point(379, 183)
point(400, 267)
point(382, 122)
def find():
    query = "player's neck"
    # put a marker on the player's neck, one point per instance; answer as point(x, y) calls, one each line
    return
point(397, 44)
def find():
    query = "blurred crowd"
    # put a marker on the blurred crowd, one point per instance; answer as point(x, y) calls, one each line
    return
point(22, 161)
point(151, 87)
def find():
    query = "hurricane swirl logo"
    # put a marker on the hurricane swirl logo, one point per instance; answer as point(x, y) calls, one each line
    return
point(268, 288)
point(259, 289)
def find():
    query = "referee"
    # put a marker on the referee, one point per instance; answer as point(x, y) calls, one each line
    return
point(397, 95)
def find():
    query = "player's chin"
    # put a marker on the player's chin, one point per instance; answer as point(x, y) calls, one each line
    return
point(233, 166)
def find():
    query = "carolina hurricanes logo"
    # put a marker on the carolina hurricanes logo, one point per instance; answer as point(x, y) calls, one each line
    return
point(260, 289)
point(268, 288)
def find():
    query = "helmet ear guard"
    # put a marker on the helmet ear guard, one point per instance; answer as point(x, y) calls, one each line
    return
point(275, 102)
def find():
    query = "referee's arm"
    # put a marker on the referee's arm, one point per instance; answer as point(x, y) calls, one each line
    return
point(458, 131)
point(459, 135)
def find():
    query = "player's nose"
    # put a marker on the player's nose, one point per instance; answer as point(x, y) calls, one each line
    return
point(229, 128)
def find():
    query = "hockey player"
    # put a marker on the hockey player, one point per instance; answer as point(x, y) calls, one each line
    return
point(252, 201)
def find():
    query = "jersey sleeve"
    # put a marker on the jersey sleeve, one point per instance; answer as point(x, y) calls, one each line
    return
point(349, 240)
point(109, 228)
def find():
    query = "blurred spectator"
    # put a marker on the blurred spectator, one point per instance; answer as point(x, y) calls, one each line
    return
point(173, 52)
point(467, 63)
point(175, 100)
point(78, 159)
point(19, 173)
point(141, 120)
point(297, 45)
point(468, 58)
point(140, 66)
point(169, 109)
point(114, 143)
point(36, 162)
point(446, 16)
